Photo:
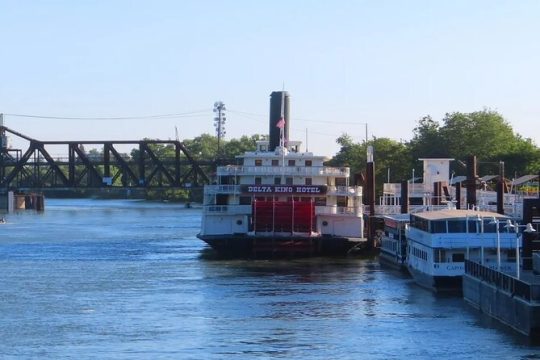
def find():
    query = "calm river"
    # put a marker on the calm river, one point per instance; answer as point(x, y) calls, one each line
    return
point(129, 279)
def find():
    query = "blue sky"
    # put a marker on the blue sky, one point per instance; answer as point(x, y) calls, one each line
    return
point(345, 63)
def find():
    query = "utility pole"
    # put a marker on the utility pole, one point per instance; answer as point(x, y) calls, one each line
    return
point(219, 123)
point(3, 142)
point(3, 137)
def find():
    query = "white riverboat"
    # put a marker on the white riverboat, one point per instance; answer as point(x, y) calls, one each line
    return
point(440, 241)
point(281, 200)
point(393, 249)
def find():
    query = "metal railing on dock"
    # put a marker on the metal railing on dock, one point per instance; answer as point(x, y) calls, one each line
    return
point(502, 281)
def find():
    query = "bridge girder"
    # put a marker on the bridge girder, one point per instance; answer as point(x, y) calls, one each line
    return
point(157, 164)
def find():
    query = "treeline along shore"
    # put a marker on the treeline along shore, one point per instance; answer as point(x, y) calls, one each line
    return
point(485, 134)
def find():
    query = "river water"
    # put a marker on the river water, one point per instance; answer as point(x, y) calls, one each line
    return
point(129, 279)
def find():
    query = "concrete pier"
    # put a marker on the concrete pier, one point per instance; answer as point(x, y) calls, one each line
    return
point(514, 302)
point(11, 201)
point(4, 202)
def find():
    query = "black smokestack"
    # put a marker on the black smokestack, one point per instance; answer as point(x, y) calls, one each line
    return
point(471, 181)
point(404, 197)
point(275, 114)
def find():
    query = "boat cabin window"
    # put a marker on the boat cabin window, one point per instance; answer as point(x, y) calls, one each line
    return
point(309, 163)
point(291, 162)
point(458, 257)
point(457, 226)
point(341, 201)
point(289, 180)
point(227, 180)
point(258, 181)
point(320, 201)
point(439, 255)
point(341, 181)
point(258, 162)
point(275, 162)
point(245, 200)
point(472, 226)
point(492, 228)
point(221, 199)
point(277, 181)
point(419, 223)
point(438, 226)
point(419, 253)
point(263, 148)
point(308, 181)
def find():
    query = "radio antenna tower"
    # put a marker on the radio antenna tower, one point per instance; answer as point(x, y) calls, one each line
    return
point(219, 122)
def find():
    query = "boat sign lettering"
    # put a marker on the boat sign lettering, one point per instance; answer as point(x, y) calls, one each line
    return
point(455, 267)
point(260, 189)
point(294, 189)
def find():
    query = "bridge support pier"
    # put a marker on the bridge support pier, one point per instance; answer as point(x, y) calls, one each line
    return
point(9, 202)
point(3, 202)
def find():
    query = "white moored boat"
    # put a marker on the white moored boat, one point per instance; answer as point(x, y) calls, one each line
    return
point(282, 200)
point(393, 249)
point(440, 241)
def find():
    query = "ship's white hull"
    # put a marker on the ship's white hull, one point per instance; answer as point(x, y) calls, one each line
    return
point(437, 283)
point(392, 260)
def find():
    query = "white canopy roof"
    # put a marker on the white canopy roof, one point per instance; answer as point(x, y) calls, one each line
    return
point(523, 179)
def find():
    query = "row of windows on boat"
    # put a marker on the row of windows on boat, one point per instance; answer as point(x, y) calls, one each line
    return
point(441, 255)
point(277, 180)
point(341, 201)
point(290, 162)
point(419, 253)
point(457, 226)
point(392, 245)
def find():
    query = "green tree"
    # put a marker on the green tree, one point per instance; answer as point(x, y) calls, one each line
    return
point(388, 154)
point(95, 154)
point(236, 147)
point(522, 159)
point(202, 147)
point(427, 141)
point(160, 150)
point(391, 157)
point(351, 154)
point(485, 134)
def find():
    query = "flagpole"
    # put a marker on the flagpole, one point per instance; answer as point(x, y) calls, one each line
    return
point(281, 135)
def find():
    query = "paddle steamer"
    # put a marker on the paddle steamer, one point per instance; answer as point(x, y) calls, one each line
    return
point(280, 200)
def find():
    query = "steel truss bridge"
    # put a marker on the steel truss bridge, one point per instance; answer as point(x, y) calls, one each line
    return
point(35, 168)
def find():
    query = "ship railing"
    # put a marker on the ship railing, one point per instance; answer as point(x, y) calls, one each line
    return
point(221, 189)
point(384, 209)
point(338, 210)
point(283, 170)
point(486, 199)
point(505, 282)
point(396, 209)
point(345, 190)
point(227, 209)
point(235, 189)
point(414, 188)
